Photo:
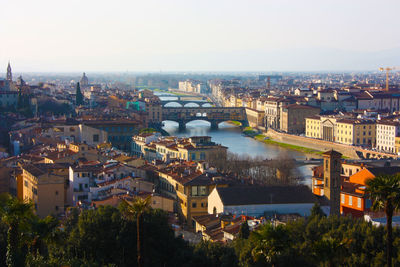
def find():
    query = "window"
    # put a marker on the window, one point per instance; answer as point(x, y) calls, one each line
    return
point(177, 187)
point(202, 204)
point(26, 183)
point(350, 200)
point(342, 198)
point(359, 202)
point(194, 191)
point(202, 190)
point(56, 208)
point(194, 205)
point(56, 193)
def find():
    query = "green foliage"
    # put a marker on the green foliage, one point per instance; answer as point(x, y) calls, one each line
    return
point(384, 191)
point(214, 254)
point(147, 130)
point(244, 231)
point(107, 236)
point(316, 210)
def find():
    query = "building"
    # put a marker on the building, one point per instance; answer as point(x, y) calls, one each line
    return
point(356, 132)
point(119, 131)
point(8, 99)
point(192, 86)
point(189, 184)
point(45, 185)
point(353, 199)
point(292, 117)
point(141, 140)
point(273, 111)
point(332, 179)
point(255, 117)
point(195, 148)
point(74, 131)
point(84, 81)
point(9, 73)
point(386, 133)
point(256, 200)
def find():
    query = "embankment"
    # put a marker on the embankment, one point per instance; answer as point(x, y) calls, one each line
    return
point(316, 144)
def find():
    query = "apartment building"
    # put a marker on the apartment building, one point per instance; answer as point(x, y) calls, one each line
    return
point(386, 133)
point(292, 117)
point(356, 132)
point(45, 186)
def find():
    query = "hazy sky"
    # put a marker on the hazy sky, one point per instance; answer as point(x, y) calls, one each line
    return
point(201, 35)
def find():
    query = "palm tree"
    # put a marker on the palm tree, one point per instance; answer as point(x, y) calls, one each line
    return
point(136, 209)
point(15, 214)
point(384, 191)
point(41, 229)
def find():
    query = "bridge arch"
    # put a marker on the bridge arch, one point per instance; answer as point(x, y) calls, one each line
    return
point(172, 104)
point(191, 104)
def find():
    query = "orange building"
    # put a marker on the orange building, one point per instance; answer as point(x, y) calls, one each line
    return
point(353, 200)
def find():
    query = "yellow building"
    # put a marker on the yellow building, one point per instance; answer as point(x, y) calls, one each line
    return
point(356, 132)
point(190, 186)
point(45, 186)
point(313, 127)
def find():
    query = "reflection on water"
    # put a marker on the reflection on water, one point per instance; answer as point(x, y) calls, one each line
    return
point(231, 136)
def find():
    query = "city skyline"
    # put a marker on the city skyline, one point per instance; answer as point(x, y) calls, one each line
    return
point(192, 36)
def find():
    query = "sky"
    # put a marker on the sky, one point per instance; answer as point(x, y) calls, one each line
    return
point(199, 35)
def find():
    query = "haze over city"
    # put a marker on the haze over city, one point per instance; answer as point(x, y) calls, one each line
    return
point(199, 35)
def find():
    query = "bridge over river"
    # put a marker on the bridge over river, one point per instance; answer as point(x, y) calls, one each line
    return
point(214, 115)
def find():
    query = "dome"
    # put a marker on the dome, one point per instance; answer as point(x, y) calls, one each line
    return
point(84, 80)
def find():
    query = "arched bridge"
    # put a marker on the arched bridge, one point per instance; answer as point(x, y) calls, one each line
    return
point(183, 100)
point(214, 115)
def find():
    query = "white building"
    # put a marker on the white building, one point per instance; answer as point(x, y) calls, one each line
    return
point(255, 201)
point(386, 132)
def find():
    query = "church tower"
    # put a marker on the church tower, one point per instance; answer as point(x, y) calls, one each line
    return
point(9, 73)
point(332, 180)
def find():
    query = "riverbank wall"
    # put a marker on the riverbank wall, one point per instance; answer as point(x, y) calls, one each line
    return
point(316, 144)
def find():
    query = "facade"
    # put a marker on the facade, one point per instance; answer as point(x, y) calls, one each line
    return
point(386, 133)
point(8, 99)
point(141, 140)
point(119, 132)
point(77, 133)
point(292, 117)
point(272, 112)
point(356, 132)
point(45, 186)
point(195, 148)
point(192, 86)
point(255, 117)
point(190, 186)
point(332, 179)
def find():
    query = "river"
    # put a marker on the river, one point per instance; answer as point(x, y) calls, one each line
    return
point(231, 136)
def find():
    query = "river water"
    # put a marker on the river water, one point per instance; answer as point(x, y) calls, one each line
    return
point(231, 136)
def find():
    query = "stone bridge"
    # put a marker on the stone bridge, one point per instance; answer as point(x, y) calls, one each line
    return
point(371, 154)
point(183, 100)
point(214, 115)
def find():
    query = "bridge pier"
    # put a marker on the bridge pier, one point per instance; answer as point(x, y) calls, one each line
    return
point(214, 125)
point(182, 126)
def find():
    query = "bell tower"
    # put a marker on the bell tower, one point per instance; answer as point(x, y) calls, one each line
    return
point(9, 72)
point(332, 180)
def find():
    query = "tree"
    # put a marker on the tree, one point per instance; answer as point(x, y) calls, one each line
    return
point(79, 96)
point(15, 214)
point(244, 230)
point(384, 191)
point(316, 210)
point(137, 209)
